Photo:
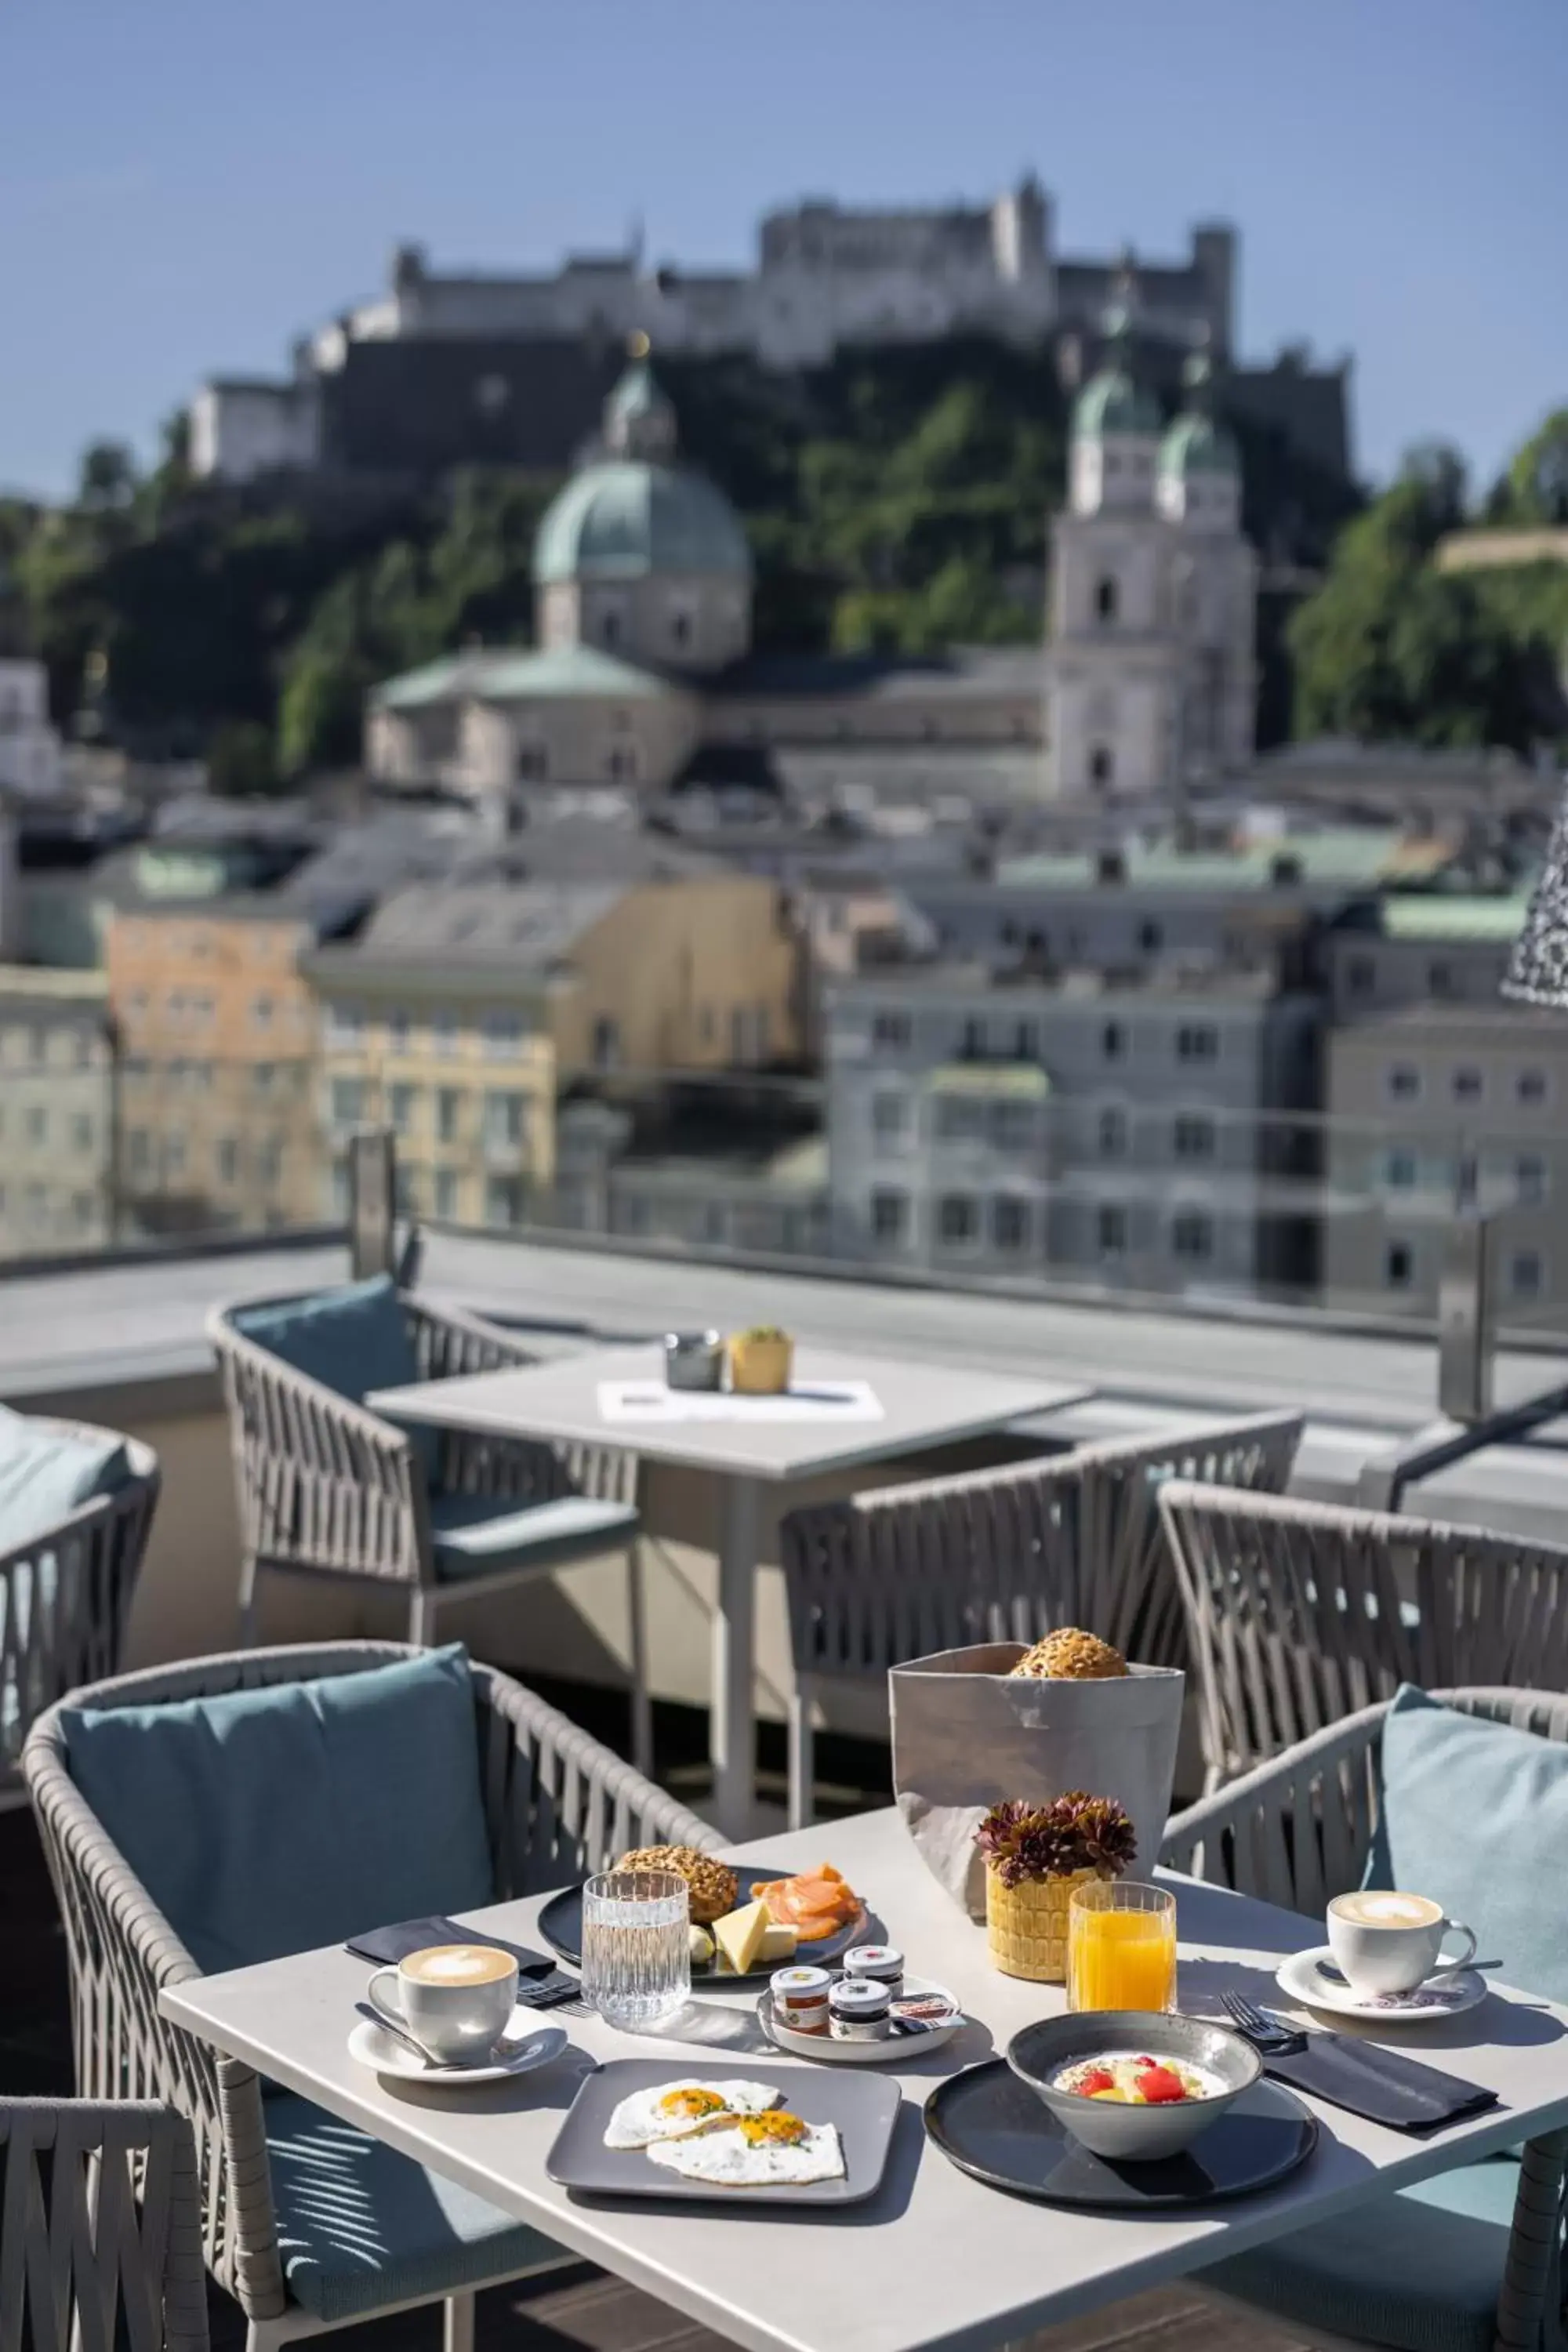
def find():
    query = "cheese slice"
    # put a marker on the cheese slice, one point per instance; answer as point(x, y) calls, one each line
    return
point(739, 1936)
point(779, 1942)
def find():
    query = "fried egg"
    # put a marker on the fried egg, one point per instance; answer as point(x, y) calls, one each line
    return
point(755, 2152)
point(671, 2110)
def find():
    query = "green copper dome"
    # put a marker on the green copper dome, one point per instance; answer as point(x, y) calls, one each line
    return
point(1196, 445)
point(1111, 402)
point(626, 518)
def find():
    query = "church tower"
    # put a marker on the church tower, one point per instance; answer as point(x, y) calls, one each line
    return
point(1148, 663)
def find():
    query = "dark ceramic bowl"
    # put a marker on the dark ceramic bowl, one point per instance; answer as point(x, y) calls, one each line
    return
point(1131, 2134)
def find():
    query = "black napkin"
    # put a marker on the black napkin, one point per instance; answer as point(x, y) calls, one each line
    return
point(1383, 2085)
point(539, 1983)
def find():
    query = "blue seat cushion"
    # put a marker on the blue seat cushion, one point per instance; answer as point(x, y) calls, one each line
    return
point(352, 1339)
point(475, 1535)
point(278, 1819)
point(1420, 2270)
point(360, 2227)
point(1511, 1884)
point(46, 1474)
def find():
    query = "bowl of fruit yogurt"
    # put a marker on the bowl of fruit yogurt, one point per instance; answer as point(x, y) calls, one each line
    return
point(1133, 2087)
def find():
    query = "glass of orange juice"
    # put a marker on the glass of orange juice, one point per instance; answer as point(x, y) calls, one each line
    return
point(1122, 1945)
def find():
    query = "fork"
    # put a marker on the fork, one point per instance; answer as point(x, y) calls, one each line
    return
point(1269, 2034)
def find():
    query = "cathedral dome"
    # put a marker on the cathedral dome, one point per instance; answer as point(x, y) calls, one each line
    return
point(628, 519)
point(633, 513)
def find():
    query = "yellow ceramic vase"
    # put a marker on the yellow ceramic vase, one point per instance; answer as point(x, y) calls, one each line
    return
point(1026, 1924)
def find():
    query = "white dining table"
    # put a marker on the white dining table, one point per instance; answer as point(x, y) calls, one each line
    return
point(845, 1410)
point(934, 2261)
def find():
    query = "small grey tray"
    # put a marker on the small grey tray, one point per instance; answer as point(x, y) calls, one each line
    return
point(863, 2107)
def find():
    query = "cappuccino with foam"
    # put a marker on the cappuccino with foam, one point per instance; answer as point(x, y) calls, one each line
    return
point(456, 2000)
point(1386, 1941)
point(1378, 1908)
point(459, 1963)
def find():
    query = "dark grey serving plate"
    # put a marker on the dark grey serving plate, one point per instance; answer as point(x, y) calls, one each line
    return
point(561, 1923)
point(863, 2106)
point(989, 2124)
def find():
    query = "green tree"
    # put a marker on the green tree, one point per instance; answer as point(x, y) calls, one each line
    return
point(1537, 481)
point(240, 763)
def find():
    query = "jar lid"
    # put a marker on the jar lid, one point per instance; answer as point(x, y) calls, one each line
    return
point(859, 1997)
point(800, 1984)
point(874, 1961)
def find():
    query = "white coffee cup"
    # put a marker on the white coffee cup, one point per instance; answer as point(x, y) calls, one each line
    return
point(454, 1998)
point(1385, 1941)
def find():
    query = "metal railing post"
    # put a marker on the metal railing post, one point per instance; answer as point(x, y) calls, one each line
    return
point(372, 1192)
point(1465, 1326)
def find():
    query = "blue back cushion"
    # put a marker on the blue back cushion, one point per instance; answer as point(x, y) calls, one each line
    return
point(352, 1339)
point(271, 1820)
point(1475, 1814)
point(46, 1473)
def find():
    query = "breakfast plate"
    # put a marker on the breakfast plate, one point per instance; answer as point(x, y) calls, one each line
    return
point(898, 2049)
point(860, 2112)
point(561, 1923)
point(374, 2047)
point(1312, 1978)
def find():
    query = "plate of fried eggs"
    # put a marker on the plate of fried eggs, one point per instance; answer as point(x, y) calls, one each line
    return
point(638, 2129)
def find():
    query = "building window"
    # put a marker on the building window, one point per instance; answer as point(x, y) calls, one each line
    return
point(348, 1101)
point(444, 1034)
point(401, 1102)
point(1151, 938)
point(610, 628)
point(1403, 1082)
point(503, 1201)
point(889, 1214)
point(139, 1144)
point(1440, 980)
point(960, 1119)
point(1195, 1136)
point(606, 1043)
point(1106, 599)
point(261, 1012)
point(531, 764)
point(1026, 1041)
point(973, 1046)
point(345, 1030)
point(1196, 1042)
point(227, 1157)
point(1402, 1170)
point(173, 1155)
point(82, 1131)
point(1112, 1133)
point(1525, 1274)
point(1102, 766)
point(506, 1119)
point(1009, 1223)
point(446, 1193)
point(1013, 1126)
point(1361, 975)
point(890, 1030)
point(1111, 1232)
point(680, 628)
point(448, 1111)
point(406, 1189)
point(270, 1160)
point(503, 1035)
point(1531, 1086)
point(1466, 1085)
point(261, 1077)
point(1192, 1235)
point(1530, 1180)
point(622, 764)
point(956, 1218)
point(398, 1032)
point(38, 1124)
point(1398, 1266)
point(889, 1117)
point(1113, 1041)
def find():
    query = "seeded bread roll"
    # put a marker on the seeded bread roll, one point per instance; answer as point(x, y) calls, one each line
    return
point(713, 1885)
point(1071, 1656)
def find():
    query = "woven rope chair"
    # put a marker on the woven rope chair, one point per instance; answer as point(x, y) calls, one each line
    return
point(1296, 1830)
point(1000, 1555)
point(66, 1595)
point(1299, 1613)
point(101, 2240)
point(557, 1805)
point(327, 1489)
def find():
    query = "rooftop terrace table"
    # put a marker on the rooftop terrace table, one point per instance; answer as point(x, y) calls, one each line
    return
point(922, 1404)
point(935, 2260)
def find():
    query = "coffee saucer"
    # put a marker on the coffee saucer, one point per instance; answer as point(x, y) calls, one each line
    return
point(1305, 1977)
point(384, 2054)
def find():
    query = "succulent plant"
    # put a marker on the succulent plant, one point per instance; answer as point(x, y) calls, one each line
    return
point(1077, 1831)
point(763, 1331)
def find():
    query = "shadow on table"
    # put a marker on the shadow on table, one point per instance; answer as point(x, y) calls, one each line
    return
point(555, 2086)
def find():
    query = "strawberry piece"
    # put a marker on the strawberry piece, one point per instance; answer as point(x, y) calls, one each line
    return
point(1161, 2088)
point(1101, 2079)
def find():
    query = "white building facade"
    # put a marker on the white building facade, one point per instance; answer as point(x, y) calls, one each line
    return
point(29, 746)
point(1150, 674)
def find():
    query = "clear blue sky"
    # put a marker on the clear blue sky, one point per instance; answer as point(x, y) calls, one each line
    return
point(185, 185)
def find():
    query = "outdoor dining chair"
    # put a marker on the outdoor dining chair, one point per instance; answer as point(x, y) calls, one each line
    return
point(76, 1507)
point(191, 1825)
point(100, 2241)
point(327, 1489)
point(1472, 2259)
point(1299, 1613)
point(1000, 1555)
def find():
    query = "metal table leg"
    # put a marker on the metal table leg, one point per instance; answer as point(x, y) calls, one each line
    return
point(732, 1731)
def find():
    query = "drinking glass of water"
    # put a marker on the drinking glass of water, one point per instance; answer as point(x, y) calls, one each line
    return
point(636, 1947)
